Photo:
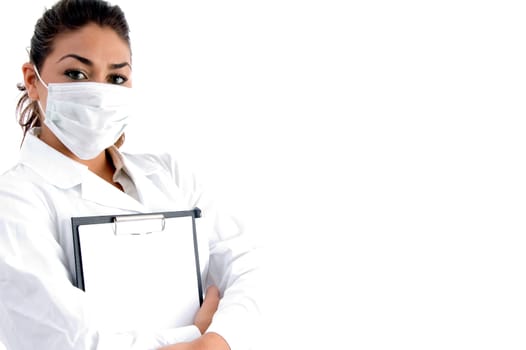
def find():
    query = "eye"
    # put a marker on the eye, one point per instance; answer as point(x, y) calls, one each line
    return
point(75, 75)
point(117, 79)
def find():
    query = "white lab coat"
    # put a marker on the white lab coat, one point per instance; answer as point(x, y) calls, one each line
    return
point(45, 311)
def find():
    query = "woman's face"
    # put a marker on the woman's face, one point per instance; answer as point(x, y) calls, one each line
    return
point(92, 53)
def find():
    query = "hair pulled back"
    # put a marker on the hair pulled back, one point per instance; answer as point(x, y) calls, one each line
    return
point(65, 15)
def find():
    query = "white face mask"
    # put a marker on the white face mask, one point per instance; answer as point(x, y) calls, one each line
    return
point(87, 117)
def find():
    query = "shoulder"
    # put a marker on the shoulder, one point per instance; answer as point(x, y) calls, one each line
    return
point(21, 193)
point(19, 179)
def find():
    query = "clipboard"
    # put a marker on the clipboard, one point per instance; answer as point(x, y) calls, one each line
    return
point(139, 271)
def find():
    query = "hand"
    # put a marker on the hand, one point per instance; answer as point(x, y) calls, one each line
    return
point(208, 341)
point(204, 316)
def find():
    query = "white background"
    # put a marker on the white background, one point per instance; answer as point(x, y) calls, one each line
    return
point(376, 149)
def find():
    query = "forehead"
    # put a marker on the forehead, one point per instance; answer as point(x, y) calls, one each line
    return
point(99, 44)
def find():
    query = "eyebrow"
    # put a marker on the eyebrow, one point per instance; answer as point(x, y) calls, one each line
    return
point(87, 62)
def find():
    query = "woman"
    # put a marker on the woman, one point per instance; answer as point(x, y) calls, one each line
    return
point(73, 111)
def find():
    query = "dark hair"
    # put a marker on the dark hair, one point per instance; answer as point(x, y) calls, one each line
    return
point(65, 15)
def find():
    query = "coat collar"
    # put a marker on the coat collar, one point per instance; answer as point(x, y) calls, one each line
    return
point(150, 195)
point(57, 169)
point(65, 173)
point(97, 190)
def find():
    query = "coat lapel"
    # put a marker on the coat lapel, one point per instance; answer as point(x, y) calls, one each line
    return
point(99, 191)
point(150, 195)
point(45, 161)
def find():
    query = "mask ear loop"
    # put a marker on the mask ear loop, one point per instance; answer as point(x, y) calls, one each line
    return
point(28, 50)
point(45, 85)
point(39, 104)
point(38, 76)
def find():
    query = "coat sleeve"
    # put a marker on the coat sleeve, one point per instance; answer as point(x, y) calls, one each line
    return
point(40, 307)
point(234, 265)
